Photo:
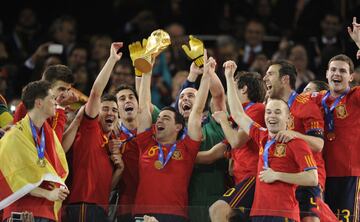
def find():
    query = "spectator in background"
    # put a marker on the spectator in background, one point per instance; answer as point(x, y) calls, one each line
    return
point(100, 47)
point(263, 9)
point(161, 83)
point(82, 79)
point(329, 43)
point(260, 64)
point(33, 68)
point(253, 44)
point(7, 71)
point(78, 56)
point(226, 49)
point(64, 31)
point(123, 73)
point(175, 56)
point(299, 57)
point(25, 35)
point(177, 81)
point(140, 26)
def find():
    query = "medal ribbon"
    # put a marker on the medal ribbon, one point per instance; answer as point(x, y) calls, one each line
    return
point(40, 145)
point(292, 98)
point(266, 152)
point(161, 154)
point(128, 133)
point(329, 117)
point(250, 104)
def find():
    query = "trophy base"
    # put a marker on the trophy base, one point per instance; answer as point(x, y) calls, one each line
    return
point(143, 64)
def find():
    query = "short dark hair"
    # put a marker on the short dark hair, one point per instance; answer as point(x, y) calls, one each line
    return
point(34, 90)
point(286, 69)
point(320, 85)
point(126, 86)
point(179, 119)
point(255, 85)
point(58, 72)
point(344, 58)
point(109, 97)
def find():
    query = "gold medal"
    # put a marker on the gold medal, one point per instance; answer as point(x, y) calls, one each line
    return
point(331, 136)
point(41, 162)
point(158, 165)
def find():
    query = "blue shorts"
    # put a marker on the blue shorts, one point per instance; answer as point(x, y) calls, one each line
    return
point(240, 198)
point(307, 196)
point(342, 194)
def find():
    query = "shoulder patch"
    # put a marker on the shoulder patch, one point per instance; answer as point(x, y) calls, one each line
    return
point(302, 98)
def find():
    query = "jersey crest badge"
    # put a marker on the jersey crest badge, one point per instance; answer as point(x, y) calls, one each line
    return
point(341, 111)
point(177, 155)
point(280, 150)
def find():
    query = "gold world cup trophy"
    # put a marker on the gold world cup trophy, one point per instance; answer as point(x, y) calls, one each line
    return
point(157, 42)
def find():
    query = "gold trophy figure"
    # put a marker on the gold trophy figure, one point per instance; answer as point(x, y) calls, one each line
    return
point(156, 43)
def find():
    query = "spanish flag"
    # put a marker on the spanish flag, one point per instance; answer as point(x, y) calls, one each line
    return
point(19, 171)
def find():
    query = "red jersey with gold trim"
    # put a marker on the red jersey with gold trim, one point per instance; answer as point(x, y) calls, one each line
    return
point(130, 177)
point(308, 119)
point(278, 198)
point(246, 157)
point(342, 156)
point(164, 191)
point(92, 167)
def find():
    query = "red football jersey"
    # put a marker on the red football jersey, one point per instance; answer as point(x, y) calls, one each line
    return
point(130, 176)
point(278, 198)
point(164, 191)
point(308, 119)
point(246, 157)
point(342, 156)
point(57, 122)
point(91, 165)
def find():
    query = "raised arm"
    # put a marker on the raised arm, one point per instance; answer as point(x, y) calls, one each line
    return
point(236, 109)
point(217, 93)
point(236, 138)
point(194, 123)
point(355, 32)
point(93, 105)
point(70, 133)
point(144, 114)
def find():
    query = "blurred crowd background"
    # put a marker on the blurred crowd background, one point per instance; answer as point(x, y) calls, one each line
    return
point(250, 32)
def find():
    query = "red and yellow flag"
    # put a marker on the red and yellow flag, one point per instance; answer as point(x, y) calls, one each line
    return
point(19, 171)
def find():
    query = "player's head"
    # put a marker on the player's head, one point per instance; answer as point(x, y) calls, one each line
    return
point(127, 100)
point(316, 86)
point(39, 95)
point(251, 85)
point(338, 74)
point(277, 115)
point(60, 78)
point(169, 124)
point(279, 76)
point(186, 101)
point(108, 115)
